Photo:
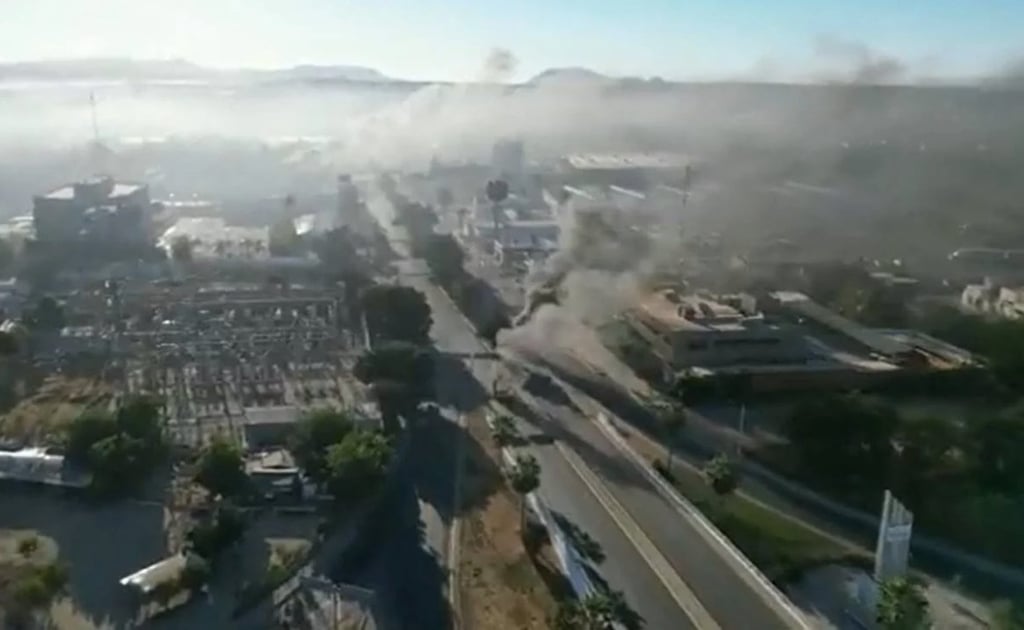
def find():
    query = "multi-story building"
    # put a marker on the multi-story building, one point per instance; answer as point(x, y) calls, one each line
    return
point(96, 210)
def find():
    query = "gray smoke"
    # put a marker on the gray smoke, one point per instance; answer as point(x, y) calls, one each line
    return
point(499, 66)
point(857, 63)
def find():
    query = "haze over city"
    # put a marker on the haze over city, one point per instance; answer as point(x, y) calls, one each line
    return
point(512, 316)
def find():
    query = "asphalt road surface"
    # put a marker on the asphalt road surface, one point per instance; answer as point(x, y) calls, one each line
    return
point(669, 574)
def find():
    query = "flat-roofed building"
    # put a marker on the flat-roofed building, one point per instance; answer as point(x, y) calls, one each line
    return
point(697, 330)
point(94, 210)
point(36, 465)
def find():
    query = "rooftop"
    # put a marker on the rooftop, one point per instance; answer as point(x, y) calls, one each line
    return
point(38, 466)
point(148, 578)
point(668, 309)
point(627, 160)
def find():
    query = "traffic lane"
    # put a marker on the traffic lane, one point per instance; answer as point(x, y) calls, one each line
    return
point(623, 568)
point(730, 600)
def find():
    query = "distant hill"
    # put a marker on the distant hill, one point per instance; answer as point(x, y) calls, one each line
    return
point(569, 75)
point(173, 69)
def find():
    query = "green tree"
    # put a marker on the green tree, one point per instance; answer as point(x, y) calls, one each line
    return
point(6, 255)
point(181, 249)
point(843, 440)
point(397, 313)
point(314, 433)
point(504, 431)
point(722, 475)
point(84, 431)
point(1007, 615)
point(139, 417)
point(283, 240)
point(927, 454)
point(8, 344)
point(118, 462)
point(358, 464)
point(402, 375)
point(598, 611)
point(221, 469)
point(46, 314)
point(902, 606)
point(195, 573)
point(671, 420)
point(444, 257)
point(524, 478)
point(224, 527)
point(996, 450)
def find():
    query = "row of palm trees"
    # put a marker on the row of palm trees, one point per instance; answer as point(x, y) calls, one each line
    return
point(601, 610)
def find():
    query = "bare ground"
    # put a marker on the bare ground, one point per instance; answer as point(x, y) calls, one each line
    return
point(41, 417)
point(500, 585)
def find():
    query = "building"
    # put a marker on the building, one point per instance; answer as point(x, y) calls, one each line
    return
point(702, 331)
point(988, 298)
point(97, 210)
point(508, 159)
point(638, 171)
point(35, 465)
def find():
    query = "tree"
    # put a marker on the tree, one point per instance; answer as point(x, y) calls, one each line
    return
point(927, 454)
point(722, 475)
point(315, 432)
point(671, 420)
point(401, 375)
point(118, 462)
point(46, 314)
point(221, 469)
point(195, 573)
point(504, 431)
point(1007, 615)
point(844, 440)
point(181, 249)
point(902, 606)
point(444, 257)
point(357, 464)
point(598, 611)
point(223, 528)
point(6, 254)
point(8, 344)
point(84, 431)
point(524, 478)
point(139, 417)
point(397, 313)
point(283, 240)
point(996, 450)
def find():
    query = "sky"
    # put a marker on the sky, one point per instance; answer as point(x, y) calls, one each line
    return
point(449, 39)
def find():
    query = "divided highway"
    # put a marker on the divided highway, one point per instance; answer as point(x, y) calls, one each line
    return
point(669, 571)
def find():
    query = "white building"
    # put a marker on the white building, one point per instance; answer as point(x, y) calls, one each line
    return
point(989, 299)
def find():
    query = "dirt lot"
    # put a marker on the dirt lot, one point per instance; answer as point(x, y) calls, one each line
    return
point(40, 417)
point(500, 586)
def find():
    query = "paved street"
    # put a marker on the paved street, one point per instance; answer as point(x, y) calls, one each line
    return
point(660, 532)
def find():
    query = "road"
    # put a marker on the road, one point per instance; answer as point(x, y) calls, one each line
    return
point(628, 572)
point(670, 574)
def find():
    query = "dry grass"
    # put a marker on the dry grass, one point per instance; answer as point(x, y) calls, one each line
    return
point(41, 417)
point(500, 586)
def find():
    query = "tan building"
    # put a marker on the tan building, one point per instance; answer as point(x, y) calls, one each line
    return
point(701, 331)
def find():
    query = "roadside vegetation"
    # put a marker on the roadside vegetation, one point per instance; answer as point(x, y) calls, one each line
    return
point(963, 480)
point(119, 448)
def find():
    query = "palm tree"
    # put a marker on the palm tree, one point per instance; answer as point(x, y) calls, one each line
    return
point(721, 475)
point(504, 431)
point(525, 478)
point(671, 419)
point(902, 606)
point(598, 611)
